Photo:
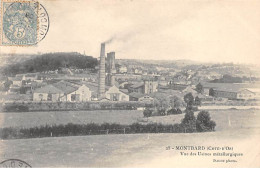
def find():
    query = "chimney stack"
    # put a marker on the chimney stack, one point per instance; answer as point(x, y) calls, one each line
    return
point(102, 73)
point(111, 62)
point(111, 68)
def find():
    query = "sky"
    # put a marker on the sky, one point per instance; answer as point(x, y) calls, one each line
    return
point(199, 30)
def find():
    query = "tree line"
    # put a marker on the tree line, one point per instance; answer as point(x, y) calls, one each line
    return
point(190, 123)
point(51, 62)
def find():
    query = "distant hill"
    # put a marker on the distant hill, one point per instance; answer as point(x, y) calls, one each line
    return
point(164, 63)
point(51, 62)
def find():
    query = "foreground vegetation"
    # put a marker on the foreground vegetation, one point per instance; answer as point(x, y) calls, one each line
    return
point(189, 124)
point(90, 129)
point(72, 106)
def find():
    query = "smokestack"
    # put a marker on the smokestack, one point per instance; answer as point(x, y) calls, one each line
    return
point(112, 80)
point(111, 68)
point(111, 62)
point(102, 73)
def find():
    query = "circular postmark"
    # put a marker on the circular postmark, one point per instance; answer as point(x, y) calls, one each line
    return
point(43, 23)
point(14, 163)
point(25, 23)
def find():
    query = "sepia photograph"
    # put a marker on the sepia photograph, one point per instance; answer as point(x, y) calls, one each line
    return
point(129, 84)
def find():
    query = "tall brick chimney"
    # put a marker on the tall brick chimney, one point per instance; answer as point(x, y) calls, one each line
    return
point(102, 73)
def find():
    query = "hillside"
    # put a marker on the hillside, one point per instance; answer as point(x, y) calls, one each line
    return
point(51, 62)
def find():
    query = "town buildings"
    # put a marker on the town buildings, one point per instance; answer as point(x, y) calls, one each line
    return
point(63, 91)
point(125, 81)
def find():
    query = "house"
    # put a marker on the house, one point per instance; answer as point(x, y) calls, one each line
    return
point(63, 91)
point(123, 84)
point(17, 81)
point(81, 94)
point(145, 87)
point(163, 81)
point(230, 91)
point(150, 86)
point(14, 89)
point(28, 76)
point(256, 91)
point(189, 89)
point(138, 71)
point(146, 98)
point(204, 97)
point(114, 94)
point(31, 76)
point(231, 95)
point(246, 94)
point(137, 87)
point(47, 93)
point(123, 69)
point(177, 86)
point(134, 96)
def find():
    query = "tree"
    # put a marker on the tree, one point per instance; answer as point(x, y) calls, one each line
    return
point(189, 100)
point(189, 121)
point(197, 101)
point(211, 92)
point(161, 101)
point(189, 116)
point(204, 122)
point(175, 102)
point(147, 112)
point(7, 85)
point(199, 88)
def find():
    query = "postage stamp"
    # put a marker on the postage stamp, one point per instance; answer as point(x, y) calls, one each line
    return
point(14, 163)
point(23, 23)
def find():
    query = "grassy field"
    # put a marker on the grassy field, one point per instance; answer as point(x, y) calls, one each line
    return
point(32, 119)
point(133, 150)
point(235, 128)
point(225, 119)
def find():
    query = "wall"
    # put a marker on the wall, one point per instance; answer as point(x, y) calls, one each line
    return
point(83, 92)
point(150, 87)
point(225, 94)
point(246, 95)
point(55, 97)
point(115, 91)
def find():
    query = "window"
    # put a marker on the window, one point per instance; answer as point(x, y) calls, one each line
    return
point(49, 97)
point(114, 97)
point(41, 97)
point(73, 97)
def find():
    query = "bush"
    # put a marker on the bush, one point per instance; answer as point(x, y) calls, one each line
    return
point(179, 111)
point(15, 108)
point(174, 111)
point(162, 112)
point(189, 121)
point(147, 112)
point(90, 129)
point(204, 122)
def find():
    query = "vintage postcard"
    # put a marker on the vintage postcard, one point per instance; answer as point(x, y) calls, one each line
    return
point(127, 83)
